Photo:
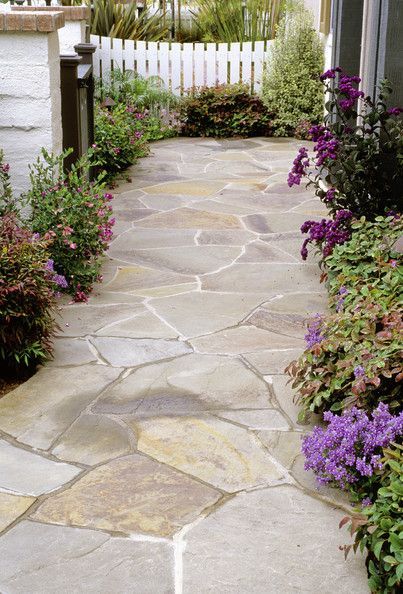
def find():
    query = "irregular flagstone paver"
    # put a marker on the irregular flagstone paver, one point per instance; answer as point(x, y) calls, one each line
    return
point(186, 385)
point(257, 419)
point(243, 339)
point(187, 218)
point(26, 473)
point(216, 206)
point(144, 325)
point(194, 314)
point(200, 188)
point(300, 304)
point(40, 410)
point(219, 453)
point(260, 252)
point(71, 352)
point(130, 352)
point(291, 325)
point(274, 361)
point(93, 439)
point(266, 278)
point(12, 507)
point(277, 222)
point(271, 541)
point(134, 279)
point(137, 239)
point(284, 446)
point(129, 495)
point(194, 259)
point(307, 480)
point(79, 320)
point(225, 237)
point(42, 559)
point(286, 397)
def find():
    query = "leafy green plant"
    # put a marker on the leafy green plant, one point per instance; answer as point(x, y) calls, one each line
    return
point(232, 20)
point(27, 298)
point(354, 355)
point(291, 87)
point(74, 215)
point(379, 529)
point(124, 21)
point(119, 138)
point(223, 111)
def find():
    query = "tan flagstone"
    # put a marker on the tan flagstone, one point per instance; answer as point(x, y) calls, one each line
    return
point(282, 324)
point(225, 237)
point(273, 362)
point(244, 339)
point(131, 279)
point(257, 419)
point(12, 507)
point(83, 319)
point(128, 495)
point(131, 352)
point(300, 304)
point(187, 188)
point(217, 452)
point(142, 239)
point(187, 218)
point(144, 325)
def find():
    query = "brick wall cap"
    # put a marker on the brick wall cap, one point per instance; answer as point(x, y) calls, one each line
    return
point(32, 21)
point(71, 13)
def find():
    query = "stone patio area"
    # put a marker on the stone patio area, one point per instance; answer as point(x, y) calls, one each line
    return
point(159, 452)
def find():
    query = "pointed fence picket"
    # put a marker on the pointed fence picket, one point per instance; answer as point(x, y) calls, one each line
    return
point(183, 65)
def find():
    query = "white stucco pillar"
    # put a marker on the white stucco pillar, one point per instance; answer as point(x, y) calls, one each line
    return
point(30, 101)
point(74, 30)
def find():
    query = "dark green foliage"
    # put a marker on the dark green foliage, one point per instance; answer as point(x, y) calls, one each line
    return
point(379, 529)
point(224, 111)
point(26, 298)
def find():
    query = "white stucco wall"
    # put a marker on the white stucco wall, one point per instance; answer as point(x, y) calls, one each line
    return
point(72, 33)
point(314, 7)
point(30, 102)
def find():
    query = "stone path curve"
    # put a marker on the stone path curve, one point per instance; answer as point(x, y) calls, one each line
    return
point(159, 452)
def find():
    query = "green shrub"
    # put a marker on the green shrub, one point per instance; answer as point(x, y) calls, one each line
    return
point(113, 19)
point(379, 529)
point(75, 216)
point(224, 111)
point(291, 87)
point(27, 298)
point(119, 138)
point(354, 355)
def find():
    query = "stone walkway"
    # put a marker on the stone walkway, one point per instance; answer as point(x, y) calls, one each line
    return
point(159, 451)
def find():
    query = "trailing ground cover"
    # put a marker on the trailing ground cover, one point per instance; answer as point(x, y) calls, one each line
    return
point(351, 371)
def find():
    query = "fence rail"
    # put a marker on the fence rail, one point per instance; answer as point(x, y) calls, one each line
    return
point(184, 65)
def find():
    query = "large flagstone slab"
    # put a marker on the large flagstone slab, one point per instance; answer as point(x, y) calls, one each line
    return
point(187, 218)
point(42, 408)
point(130, 495)
point(244, 339)
point(42, 559)
point(271, 541)
point(219, 453)
point(135, 279)
point(257, 419)
point(225, 237)
point(186, 385)
point(277, 222)
point(71, 351)
point(12, 507)
point(93, 439)
point(130, 352)
point(26, 473)
point(215, 206)
point(283, 324)
point(80, 320)
point(194, 314)
point(272, 362)
point(194, 259)
point(141, 239)
point(144, 325)
point(258, 251)
point(187, 188)
point(265, 278)
point(300, 304)
point(286, 397)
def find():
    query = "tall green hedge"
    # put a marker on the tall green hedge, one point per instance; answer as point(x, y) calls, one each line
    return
point(291, 87)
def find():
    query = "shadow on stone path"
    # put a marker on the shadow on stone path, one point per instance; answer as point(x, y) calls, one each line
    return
point(159, 451)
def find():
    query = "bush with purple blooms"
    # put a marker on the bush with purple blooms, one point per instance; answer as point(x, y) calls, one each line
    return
point(355, 167)
point(326, 234)
point(27, 298)
point(348, 453)
point(75, 216)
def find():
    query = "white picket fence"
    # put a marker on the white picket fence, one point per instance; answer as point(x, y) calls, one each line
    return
point(184, 65)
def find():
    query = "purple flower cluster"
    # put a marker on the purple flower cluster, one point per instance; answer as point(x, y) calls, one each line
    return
point(349, 92)
point(298, 171)
point(58, 279)
point(330, 73)
point(351, 446)
point(327, 233)
point(314, 335)
point(326, 146)
point(330, 194)
point(395, 111)
point(341, 297)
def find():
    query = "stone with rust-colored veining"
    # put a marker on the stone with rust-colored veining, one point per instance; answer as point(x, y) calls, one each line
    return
point(187, 218)
point(217, 452)
point(130, 494)
point(12, 507)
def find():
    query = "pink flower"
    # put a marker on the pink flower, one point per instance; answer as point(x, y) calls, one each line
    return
point(73, 246)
